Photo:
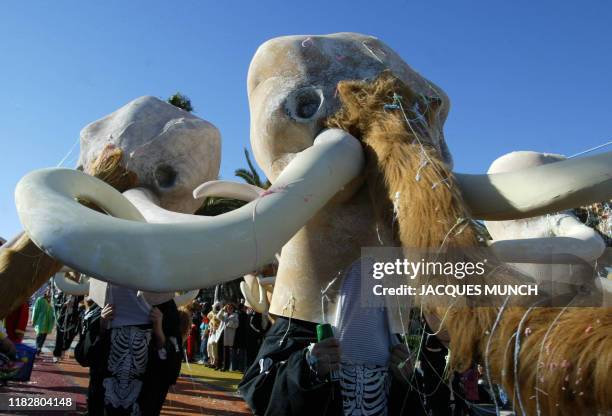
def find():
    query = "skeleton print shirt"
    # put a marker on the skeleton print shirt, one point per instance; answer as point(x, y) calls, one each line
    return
point(365, 341)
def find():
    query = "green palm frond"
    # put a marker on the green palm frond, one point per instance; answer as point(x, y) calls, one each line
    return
point(215, 206)
point(246, 176)
point(250, 175)
point(252, 168)
point(181, 101)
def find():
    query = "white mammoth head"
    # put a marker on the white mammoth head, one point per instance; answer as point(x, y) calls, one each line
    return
point(292, 88)
point(170, 150)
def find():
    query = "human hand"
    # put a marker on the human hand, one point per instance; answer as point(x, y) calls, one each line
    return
point(327, 356)
point(401, 365)
point(106, 316)
point(7, 346)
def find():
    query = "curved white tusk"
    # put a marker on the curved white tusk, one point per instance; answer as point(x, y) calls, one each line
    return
point(227, 189)
point(267, 281)
point(538, 190)
point(182, 256)
point(263, 298)
point(148, 205)
point(247, 287)
point(185, 298)
point(544, 250)
point(70, 286)
point(570, 240)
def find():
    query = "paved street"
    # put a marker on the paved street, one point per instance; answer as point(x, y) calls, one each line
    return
point(199, 390)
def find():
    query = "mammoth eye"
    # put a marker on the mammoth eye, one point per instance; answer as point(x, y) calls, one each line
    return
point(165, 176)
point(304, 103)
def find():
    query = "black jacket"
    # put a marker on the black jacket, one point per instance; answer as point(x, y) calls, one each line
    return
point(288, 387)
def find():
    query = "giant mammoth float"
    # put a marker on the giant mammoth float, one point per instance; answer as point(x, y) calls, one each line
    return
point(157, 151)
point(352, 139)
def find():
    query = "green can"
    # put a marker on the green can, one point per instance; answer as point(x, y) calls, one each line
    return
point(324, 331)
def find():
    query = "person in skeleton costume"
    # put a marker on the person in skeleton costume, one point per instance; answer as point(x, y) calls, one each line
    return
point(131, 366)
point(126, 364)
point(364, 370)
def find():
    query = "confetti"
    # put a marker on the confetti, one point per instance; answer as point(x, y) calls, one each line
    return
point(307, 42)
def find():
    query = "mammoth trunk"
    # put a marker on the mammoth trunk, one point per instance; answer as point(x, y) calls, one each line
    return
point(412, 188)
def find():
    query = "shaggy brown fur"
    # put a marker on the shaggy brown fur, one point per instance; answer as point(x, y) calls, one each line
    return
point(572, 367)
point(24, 267)
point(430, 214)
point(108, 168)
point(394, 158)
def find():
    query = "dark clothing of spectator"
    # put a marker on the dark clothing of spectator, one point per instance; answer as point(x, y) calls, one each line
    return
point(241, 341)
point(68, 321)
point(162, 366)
point(255, 334)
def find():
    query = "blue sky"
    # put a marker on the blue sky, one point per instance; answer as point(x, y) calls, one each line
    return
point(521, 75)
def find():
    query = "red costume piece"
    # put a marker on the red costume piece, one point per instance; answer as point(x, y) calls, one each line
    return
point(16, 323)
point(192, 342)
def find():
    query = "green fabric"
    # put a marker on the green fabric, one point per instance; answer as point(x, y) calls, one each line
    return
point(42, 316)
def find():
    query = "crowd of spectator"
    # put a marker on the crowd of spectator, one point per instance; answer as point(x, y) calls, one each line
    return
point(225, 337)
